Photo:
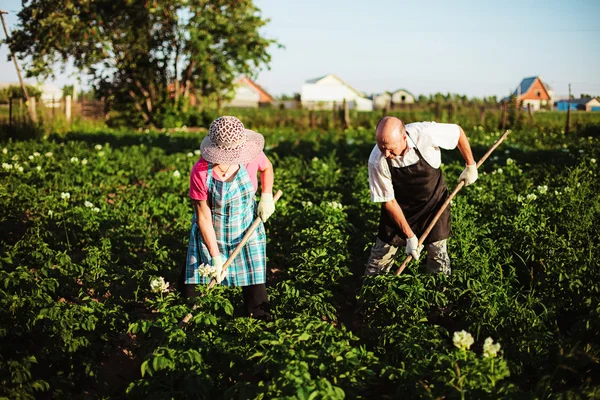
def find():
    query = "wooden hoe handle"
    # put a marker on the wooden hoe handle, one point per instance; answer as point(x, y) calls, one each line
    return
point(448, 200)
point(233, 255)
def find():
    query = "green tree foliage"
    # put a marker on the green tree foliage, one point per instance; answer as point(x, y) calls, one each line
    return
point(137, 52)
point(15, 92)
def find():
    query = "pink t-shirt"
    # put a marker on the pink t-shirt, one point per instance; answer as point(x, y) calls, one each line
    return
point(199, 176)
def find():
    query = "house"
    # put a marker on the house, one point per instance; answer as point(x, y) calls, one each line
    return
point(533, 91)
point(249, 94)
point(325, 91)
point(402, 96)
point(583, 104)
point(381, 100)
point(51, 94)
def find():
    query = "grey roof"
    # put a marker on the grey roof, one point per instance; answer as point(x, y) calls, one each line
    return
point(396, 91)
point(581, 101)
point(315, 80)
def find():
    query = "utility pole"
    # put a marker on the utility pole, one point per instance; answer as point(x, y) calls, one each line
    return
point(31, 109)
point(568, 123)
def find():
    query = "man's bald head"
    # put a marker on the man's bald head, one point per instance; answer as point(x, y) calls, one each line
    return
point(390, 129)
point(391, 136)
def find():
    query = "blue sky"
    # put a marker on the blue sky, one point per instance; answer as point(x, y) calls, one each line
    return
point(477, 48)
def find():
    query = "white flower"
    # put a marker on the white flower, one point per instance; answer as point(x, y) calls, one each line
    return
point(95, 209)
point(39, 168)
point(542, 189)
point(50, 213)
point(158, 285)
point(30, 157)
point(557, 193)
point(510, 161)
point(190, 154)
point(581, 150)
point(20, 169)
point(206, 270)
point(65, 195)
point(88, 204)
point(463, 340)
point(307, 204)
point(506, 151)
point(100, 154)
point(98, 147)
point(6, 165)
point(74, 160)
point(15, 157)
point(197, 152)
point(593, 160)
point(48, 154)
point(531, 196)
point(176, 174)
point(36, 154)
point(4, 151)
point(500, 170)
point(84, 161)
point(490, 349)
point(335, 204)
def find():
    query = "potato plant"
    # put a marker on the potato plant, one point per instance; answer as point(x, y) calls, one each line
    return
point(94, 232)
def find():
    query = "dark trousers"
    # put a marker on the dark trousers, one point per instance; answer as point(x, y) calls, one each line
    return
point(255, 299)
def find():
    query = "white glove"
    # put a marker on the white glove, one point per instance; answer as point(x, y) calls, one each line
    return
point(266, 206)
point(469, 175)
point(218, 262)
point(413, 248)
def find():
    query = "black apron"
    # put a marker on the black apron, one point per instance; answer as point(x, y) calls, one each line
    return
point(420, 190)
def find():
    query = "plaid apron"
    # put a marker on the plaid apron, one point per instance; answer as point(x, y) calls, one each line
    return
point(233, 210)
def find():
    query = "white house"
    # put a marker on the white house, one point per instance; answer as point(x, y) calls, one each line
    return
point(51, 94)
point(402, 96)
point(381, 100)
point(323, 92)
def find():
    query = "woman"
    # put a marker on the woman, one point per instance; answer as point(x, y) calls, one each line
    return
point(223, 185)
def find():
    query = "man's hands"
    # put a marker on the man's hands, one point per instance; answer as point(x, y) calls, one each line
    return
point(413, 248)
point(266, 206)
point(218, 262)
point(469, 175)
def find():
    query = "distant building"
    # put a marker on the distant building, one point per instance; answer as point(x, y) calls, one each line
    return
point(402, 96)
point(535, 92)
point(381, 100)
point(249, 94)
point(51, 95)
point(325, 91)
point(583, 104)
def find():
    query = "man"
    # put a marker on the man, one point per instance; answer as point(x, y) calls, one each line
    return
point(405, 176)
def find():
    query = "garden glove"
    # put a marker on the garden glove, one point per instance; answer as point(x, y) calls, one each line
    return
point(218, 262)
point(469, 175)
point(413, 248)
point(266, 206)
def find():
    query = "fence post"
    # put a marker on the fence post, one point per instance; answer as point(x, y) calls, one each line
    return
point(346, 115)
point(10, 112)
point(20, 108)
point(32, 109)
point(68, 108)
point(568, 122)
point(530, 112)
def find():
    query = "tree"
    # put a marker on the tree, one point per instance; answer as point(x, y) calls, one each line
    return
point(67, 90)
point(134, 50)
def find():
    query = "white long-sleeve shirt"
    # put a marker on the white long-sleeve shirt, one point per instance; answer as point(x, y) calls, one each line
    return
point(429, 138)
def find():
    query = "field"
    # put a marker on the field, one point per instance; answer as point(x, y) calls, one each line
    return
point(90, 218)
